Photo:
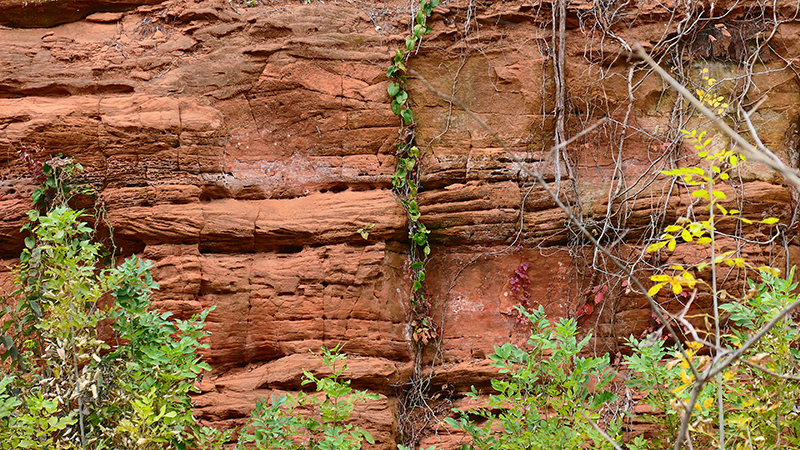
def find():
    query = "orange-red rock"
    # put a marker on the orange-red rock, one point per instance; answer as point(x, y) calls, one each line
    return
point(242, 148)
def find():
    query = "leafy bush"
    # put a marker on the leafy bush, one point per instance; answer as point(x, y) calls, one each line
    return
point(548, 395)
point(279, 424)
point(719, 388)
point(72, 388)
point(760, 394)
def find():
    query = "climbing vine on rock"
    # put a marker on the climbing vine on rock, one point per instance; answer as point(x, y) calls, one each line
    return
point(406, 179)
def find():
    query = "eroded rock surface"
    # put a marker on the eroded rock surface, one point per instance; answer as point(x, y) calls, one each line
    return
point(242, 148)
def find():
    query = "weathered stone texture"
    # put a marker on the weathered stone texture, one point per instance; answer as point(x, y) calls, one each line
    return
point(242, 148)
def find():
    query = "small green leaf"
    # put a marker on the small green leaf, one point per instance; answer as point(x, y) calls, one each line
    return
point(393, 89)
point(408, 116)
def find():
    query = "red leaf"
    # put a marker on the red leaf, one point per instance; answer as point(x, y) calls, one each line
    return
point(598, 298)
point(625, 283)
point(605, 289)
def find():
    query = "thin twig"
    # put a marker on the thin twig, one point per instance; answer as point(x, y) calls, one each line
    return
point(785, 376)
point(600, 430)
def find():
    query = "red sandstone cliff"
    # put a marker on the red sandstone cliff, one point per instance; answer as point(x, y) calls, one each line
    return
point(241, 148)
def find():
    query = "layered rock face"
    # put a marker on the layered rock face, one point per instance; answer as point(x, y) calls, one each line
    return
point(242, 147)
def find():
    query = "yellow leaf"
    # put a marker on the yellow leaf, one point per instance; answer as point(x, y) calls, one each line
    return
point(659, 278)
point(708, 403)
point(676, 288)
point(704, 240)
point(728, 375)
point(748, 221)
point(771, 221)
point(720, 195)
point(733, 159)
point(654, 290)
point(673, 228)
point(671, 245)
point(721, 208)
point(686, 236)
point(654, 247)
point(734, 211)
point(724, 176)
point(700, 94)
point(701, 193)
point(694, 345)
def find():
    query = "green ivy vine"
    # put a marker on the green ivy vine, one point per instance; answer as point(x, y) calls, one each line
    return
point(406, 179)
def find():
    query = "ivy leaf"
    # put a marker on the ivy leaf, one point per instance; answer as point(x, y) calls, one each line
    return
point(411, 41)
point(394, 89)
point(408, 116)
point(396, 107)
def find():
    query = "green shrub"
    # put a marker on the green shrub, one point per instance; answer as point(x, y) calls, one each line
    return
point(547, 396)
point(68, 388)
point(760, 393)
point(279, 424)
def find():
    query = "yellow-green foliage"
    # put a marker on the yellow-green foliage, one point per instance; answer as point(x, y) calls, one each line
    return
point(702, 181)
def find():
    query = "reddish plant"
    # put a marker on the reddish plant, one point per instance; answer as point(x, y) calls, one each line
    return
point(519, 291)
